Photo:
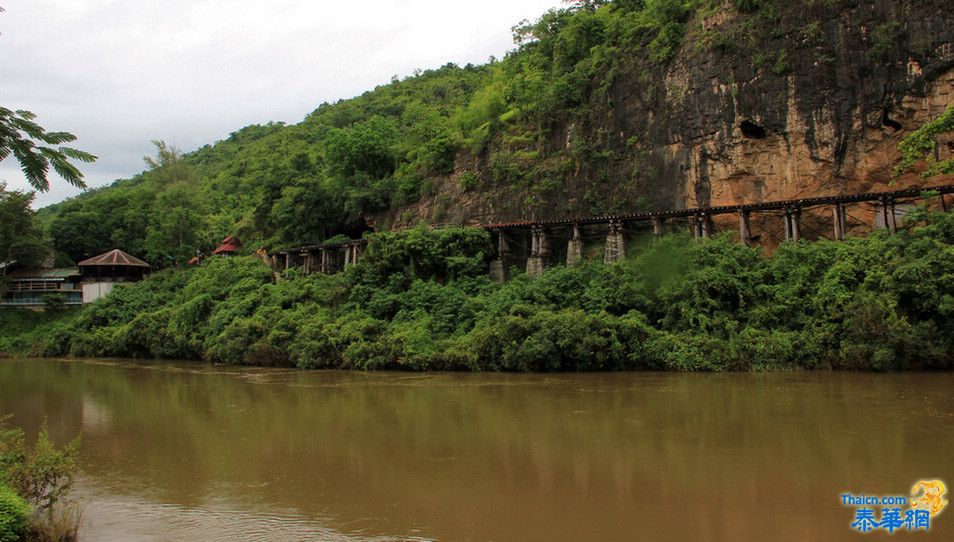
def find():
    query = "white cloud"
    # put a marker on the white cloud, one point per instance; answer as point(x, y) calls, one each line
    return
point(120, 73)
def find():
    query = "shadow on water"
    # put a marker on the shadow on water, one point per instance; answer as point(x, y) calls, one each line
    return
point(484, 456)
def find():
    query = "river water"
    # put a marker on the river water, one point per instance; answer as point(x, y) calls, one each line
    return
point(193, 452)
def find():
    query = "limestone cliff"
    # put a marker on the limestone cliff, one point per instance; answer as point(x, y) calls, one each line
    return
point(813, 106)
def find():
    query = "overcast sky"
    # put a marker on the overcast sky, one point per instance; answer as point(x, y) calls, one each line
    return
point(120, 73)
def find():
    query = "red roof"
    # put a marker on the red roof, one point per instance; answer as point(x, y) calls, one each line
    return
point(229, 244)
point(114, 257)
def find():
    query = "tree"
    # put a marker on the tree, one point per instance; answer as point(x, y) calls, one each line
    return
point(33, 147)
point(20, 237)
point(178, 228)
point(178, 225)
point(168, 167)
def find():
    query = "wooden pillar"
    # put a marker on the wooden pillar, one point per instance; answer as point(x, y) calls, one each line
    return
point(324, 261)
point(841, 221)
point(943, 203)
point(657, 226)
point(892, 217)
point(792, 216)
point(574, 248)
point(887, 214)
point(538, 247)
point(500, 267)
point(796, 224)
point(745, 229)
point(695, 224)
point(503, 247)
point(543, 244)
point(705, 225)
point(615, 249)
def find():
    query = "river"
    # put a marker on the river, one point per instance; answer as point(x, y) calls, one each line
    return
point(176, 451)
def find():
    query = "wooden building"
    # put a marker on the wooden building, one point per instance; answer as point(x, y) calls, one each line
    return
point(31, 289)
point(101, 273)
point(230, 247)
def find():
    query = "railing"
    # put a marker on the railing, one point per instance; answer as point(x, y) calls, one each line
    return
point(39, 286)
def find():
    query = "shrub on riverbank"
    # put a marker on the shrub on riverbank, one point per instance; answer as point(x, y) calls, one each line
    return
point(421, 299)
point(40, 480)
point(14, 515)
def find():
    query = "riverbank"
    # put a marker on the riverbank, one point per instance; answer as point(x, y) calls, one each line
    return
point(421, 300)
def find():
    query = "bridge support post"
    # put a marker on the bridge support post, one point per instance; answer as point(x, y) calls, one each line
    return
point(349, 256)
point(574, 248)
point(615, 249)
point(500, 267)
point(887, 214)
point(943, 203)
point(792, 232)
point(745, 229)
point(323, 268)
point(701, 225)
point(290, 261)
point(841, 221)
point(657, 226)
point(539, 249)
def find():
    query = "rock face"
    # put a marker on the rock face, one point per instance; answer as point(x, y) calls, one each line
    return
point(815, 106)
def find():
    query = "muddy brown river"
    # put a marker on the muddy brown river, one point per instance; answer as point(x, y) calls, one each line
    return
point(177, 451)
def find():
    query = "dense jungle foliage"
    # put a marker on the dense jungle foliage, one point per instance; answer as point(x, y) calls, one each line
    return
point(277, 185)
point(420, 299)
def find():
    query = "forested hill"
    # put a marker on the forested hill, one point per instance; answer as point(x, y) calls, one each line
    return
point(601, 107)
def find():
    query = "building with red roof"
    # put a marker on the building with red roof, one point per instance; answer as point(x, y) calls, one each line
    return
point(230, 246)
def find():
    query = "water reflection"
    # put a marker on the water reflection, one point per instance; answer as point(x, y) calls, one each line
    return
point(481, 457)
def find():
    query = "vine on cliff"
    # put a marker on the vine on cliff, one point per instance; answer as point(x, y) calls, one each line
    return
point(922, 144)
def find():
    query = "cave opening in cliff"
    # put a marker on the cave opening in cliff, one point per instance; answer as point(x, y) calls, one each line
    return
point(752, 130)
point(889, 122)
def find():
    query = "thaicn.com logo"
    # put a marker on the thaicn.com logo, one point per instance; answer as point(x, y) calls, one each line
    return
point(898, 512)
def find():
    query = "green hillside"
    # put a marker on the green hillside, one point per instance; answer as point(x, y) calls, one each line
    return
point(279, 185)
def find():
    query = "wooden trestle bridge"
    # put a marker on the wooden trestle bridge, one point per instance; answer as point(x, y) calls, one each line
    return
point(532, 241)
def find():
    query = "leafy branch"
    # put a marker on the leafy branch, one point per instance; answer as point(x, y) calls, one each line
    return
point(38, 150)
